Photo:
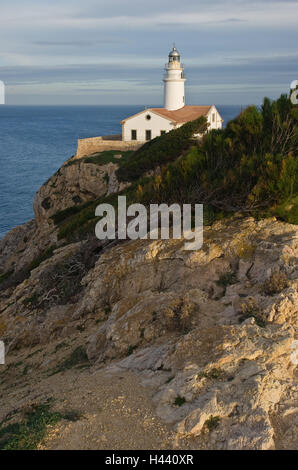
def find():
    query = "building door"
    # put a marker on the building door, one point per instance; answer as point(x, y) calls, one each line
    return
point(133, 134)
point(148, 135)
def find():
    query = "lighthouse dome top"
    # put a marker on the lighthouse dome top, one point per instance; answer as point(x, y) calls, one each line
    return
point(174, 54)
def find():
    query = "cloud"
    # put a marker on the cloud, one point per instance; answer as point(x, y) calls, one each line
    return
point(82, 43)
point(229, 81)
point(71, 47)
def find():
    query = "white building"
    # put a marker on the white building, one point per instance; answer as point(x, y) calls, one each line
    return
point(153, 122)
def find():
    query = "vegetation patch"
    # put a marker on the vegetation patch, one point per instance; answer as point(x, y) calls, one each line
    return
point(45, 255)
point(78, 357)
point(288, 210)
point(214, 373)
point(60, 216)
point(107, 310)
point(179, 401)
point(160, 151)
point(59, 346)
point(226, 279)
point(29, 433)
point(170, 379)
point(79, 220)
point(177, 316)
point(108, 156)
point(34, 353)
point(212, 422)
point(131, 349)
point(249, 167)
point(61, 282)
point(31, 301)
point(5, 276)
point(250, 309)
point(245, 250)
point(277, 282)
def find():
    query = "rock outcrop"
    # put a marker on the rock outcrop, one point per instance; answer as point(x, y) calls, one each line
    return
point(209, 333)
point(74, 183)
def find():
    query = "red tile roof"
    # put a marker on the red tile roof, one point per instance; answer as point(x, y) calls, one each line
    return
point(185, 114)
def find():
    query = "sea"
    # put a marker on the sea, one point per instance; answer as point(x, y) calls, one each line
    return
point(36, 140)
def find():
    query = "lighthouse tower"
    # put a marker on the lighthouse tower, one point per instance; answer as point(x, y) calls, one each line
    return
point(174, 97)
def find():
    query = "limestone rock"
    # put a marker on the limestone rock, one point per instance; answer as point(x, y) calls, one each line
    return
point(222, 381)
point(74, 183)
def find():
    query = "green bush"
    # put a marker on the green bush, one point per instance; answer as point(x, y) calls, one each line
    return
point(179, 401)
point(28, 434)
point(45, 255)
point(161, 150)
point(251, 166)
point(212, 422)
point(83, 219)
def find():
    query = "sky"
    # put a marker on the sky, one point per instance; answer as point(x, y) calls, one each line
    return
point(103, 52)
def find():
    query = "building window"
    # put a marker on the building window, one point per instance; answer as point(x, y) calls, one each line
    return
point(213, 117)
point(148, 135)
point(162, 132)
point(148, 117)
point(133, 134)
point(183, 99)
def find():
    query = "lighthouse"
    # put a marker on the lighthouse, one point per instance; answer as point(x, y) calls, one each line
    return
point(174, 95)
point(151, 123)
point(154, 122)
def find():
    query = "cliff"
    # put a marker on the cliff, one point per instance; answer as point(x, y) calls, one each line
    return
point(204, 338)
point(75, 183)
point(141, 344)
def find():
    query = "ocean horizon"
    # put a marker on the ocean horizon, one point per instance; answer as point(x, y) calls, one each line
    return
point(36, 140)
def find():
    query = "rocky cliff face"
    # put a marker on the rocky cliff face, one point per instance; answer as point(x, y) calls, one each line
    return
point(209, 334)
point(73, 184)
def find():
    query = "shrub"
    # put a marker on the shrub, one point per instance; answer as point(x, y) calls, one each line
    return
point(76, 222)
point(214, 373)
point(32, 300)
point(60, 282)
point(45, 255)
point(250, 309)
point(76, 358)
point(211, 374)
point(226, 279)
point(60, 216)
point(212, 422)
point(177, 315)
point(131, 350)
point(160, 151)
point(179, 401)
point(277, 282)
point(14, 278)
point(28, 434)
point(250, 166)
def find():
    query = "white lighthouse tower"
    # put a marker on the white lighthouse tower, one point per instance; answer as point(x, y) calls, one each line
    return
point(174, 97)
point(154, 122)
